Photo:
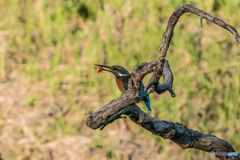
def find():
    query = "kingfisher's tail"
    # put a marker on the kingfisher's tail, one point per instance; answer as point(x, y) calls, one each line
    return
point(148, 104)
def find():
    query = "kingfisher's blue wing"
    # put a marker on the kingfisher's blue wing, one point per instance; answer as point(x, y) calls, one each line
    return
point(145, 94)
point(148, 104)
point(125, 84)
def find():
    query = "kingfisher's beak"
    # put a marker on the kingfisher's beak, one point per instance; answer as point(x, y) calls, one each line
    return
point(105, 68)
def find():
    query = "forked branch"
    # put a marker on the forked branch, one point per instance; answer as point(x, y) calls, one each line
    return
point(181, 135)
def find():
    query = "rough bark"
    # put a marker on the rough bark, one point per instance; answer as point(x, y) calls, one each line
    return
point(178, 133)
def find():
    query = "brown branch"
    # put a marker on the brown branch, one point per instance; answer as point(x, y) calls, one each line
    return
point(181, 135)
point(166, 84)
point(167, 36)
point(176, 132)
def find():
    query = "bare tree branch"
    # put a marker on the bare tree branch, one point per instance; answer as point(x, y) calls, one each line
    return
point(166, 84)
point(181, 135)
point(167, 36)
point(176, 132)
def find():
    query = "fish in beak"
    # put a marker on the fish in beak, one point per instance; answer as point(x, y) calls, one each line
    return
point(101, 68)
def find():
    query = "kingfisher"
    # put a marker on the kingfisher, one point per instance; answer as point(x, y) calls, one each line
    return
point(121, 76)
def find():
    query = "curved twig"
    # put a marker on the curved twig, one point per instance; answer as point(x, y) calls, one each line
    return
point(166, 84)
point(167, 36)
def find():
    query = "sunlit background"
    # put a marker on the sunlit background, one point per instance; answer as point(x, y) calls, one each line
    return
point(48, 87)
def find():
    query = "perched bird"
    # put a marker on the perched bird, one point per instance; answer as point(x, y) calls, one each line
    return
point(121, 76)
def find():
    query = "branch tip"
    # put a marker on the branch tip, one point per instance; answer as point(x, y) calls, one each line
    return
point(201, 21)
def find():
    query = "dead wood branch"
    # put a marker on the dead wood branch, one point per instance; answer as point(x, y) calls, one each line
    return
point(181, 135)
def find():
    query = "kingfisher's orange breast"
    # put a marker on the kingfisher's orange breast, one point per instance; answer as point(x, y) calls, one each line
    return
point(120, 85)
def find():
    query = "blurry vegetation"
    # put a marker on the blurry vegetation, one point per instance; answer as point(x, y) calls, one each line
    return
point(48, 85)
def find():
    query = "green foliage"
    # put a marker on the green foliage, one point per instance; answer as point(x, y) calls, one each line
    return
point(57, 43)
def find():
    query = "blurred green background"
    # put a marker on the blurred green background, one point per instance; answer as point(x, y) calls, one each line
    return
point(48, 85)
